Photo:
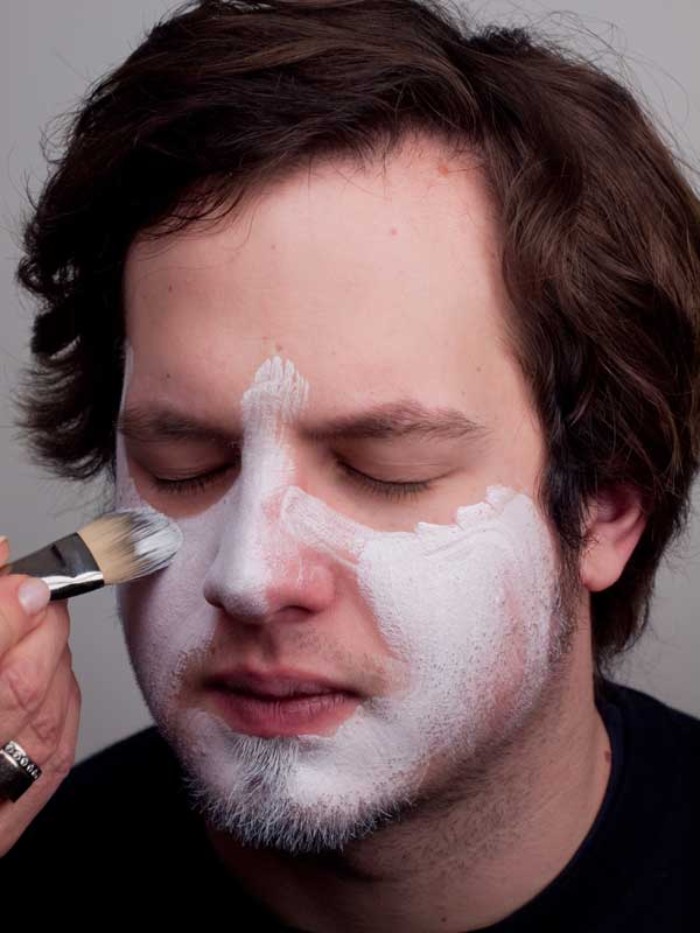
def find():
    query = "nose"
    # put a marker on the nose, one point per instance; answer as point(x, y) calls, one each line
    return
point(261, 572)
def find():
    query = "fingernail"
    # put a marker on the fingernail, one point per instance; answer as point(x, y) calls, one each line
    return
point(3, 540)
point(33, 595)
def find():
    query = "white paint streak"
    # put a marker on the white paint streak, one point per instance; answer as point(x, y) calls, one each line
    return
point(245, 555)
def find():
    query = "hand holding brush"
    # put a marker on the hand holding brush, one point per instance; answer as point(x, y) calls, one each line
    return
point(39, 694)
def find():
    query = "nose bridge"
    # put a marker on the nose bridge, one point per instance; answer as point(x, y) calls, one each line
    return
point(252, 548)
point(260, 566)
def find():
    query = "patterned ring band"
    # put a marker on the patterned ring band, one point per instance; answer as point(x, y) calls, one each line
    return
point(17, 771)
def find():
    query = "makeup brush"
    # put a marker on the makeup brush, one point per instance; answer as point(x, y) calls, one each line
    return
point(114, 548)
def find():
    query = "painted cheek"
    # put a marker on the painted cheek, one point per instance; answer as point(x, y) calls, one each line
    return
point(164, 616)
point(466, 606)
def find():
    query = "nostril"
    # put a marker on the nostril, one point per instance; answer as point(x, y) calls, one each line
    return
point(236, 597)
point(250, 587)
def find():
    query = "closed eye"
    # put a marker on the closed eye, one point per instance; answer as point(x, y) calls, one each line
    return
point(192, 484)
point(199, 482)
point(394, 489)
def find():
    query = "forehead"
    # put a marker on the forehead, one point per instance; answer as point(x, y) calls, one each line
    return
point(376, 281)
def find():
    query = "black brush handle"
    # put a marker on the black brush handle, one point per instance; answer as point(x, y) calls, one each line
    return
point(66, 566)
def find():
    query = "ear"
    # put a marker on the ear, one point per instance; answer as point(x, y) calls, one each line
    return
point(615, 522)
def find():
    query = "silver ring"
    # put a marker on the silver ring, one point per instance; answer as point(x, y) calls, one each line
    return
point(17, 771)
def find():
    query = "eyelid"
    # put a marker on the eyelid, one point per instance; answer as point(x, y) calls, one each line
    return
point(389, 489)
point(195, 482)
point(167, 466)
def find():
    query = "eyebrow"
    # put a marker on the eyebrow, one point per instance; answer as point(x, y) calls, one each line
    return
point(150, 425)
point(406, 418)
point(398, 419)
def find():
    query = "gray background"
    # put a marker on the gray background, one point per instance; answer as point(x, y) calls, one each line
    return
point(49, 53)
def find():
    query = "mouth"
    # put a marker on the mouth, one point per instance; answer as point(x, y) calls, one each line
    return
point(277, 704)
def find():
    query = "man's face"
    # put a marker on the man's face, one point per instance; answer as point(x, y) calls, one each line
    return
point(366, 601)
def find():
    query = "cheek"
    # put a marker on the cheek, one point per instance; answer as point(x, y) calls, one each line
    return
point(166, 619)
point(164, 616)
point(468, 609)
point(437, 611)
point(467, 605)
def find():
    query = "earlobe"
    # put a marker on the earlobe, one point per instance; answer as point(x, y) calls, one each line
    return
point(614, 523)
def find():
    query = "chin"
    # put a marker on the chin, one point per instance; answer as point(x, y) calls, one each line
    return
point(295, 794)
point(261, 820)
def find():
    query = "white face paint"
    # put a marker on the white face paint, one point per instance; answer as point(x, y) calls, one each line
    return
point(468, 613)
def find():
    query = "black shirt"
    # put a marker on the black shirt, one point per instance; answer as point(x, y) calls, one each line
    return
point(119, 832)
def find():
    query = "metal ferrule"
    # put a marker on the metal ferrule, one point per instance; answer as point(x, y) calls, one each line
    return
point(66, 566)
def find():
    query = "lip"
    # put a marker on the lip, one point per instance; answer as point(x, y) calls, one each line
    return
point(281, 703)
point(277, 683)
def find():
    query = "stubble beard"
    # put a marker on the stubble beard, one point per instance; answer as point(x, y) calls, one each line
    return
point(260, 812)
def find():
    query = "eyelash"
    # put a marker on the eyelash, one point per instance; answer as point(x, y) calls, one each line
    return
point(387, 490)
point(377, 487)
point(190, 484)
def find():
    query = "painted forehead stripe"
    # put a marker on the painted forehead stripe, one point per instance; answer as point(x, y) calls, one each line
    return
point(277, 392)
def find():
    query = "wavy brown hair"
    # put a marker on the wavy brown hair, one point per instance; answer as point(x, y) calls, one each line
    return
point(600, 230)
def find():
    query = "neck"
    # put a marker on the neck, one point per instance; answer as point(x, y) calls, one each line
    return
point(464, 863)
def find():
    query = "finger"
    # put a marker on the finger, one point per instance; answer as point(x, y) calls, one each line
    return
point(62, 760)
point(41, 735)
point(4, 550)
point(23, 600)
point(27, 670)
point(16, 816)
point(43, 732)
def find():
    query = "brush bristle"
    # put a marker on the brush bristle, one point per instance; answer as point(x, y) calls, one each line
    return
point(131, 544)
